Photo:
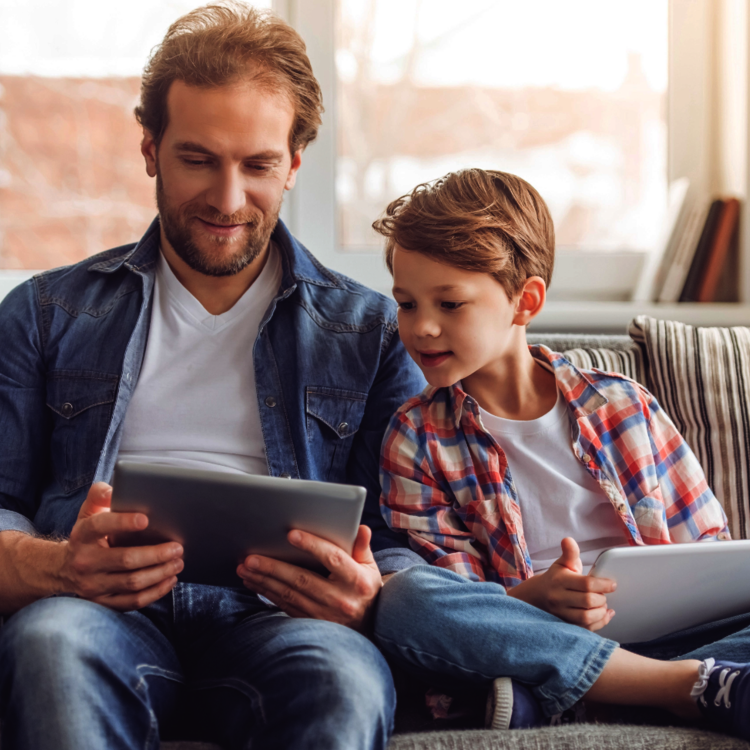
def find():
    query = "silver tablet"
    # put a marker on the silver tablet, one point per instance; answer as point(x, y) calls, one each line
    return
point(220, 518)
point(669, 587)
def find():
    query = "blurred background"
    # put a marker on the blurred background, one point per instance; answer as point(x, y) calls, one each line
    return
point(600, 104)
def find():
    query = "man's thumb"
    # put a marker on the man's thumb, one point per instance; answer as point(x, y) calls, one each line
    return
point(98, 500)
point(362, 552)
point(571, 555)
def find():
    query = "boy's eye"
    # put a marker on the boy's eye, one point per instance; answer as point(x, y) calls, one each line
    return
point(406, 305)
point(451, 305)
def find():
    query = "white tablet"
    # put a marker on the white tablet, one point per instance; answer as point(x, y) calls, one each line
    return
point(219, 518)
point(669, 587)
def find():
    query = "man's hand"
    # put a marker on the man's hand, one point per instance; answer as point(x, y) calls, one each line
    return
point(346, 596)
point(122, 578)
point(564, 592)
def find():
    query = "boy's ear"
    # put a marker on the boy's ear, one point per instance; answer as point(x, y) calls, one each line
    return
point(530, 301)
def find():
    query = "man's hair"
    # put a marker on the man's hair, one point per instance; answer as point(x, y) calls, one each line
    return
point(227, 43)
point(478, 220)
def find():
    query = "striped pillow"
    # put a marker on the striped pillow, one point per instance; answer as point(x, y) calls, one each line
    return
point(608, 353)
point(701, 376)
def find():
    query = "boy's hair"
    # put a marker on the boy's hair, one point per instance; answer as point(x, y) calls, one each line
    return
point(223, 44)
point(478, 220)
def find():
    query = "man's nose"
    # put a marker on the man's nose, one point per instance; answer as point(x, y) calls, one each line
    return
point(227, 194)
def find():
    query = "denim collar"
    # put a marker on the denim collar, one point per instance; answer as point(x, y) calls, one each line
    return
point(298, 264)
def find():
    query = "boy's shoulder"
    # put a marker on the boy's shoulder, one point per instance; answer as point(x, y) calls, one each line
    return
point(434, 405)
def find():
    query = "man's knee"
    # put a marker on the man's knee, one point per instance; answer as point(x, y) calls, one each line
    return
point(349, 674)
point(50, 634)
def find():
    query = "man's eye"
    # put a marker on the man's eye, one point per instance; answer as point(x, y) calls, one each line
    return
point(451, 305)
point(194, 162)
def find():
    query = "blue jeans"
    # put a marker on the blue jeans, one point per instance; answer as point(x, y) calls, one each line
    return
point(438, 625)
point(217, 663)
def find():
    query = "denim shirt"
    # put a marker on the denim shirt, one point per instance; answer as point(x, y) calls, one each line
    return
point(330, 371)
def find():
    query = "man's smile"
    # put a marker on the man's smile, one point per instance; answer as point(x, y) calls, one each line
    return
point(221, 230)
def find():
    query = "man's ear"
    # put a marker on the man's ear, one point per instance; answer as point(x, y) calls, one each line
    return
point(530, 301)
point(291, 178)
point(148, 149)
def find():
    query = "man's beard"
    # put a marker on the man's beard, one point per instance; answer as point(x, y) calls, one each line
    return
point(174, 222)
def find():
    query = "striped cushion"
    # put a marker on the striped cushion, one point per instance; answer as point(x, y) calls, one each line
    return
point(608, 353)
point(701, 376)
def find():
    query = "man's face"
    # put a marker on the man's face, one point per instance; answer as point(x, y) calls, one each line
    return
point(221, 170)
point(453, 323)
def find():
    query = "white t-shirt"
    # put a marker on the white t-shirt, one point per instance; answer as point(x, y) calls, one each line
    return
point(195, 403)
point(556, 494)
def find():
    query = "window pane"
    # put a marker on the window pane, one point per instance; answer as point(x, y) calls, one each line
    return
point(72, 180)
point(569, 95)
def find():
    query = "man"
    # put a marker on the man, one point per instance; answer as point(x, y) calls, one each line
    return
point(216, 341)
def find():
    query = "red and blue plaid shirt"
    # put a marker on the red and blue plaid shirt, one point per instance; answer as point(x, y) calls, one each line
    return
point(446, 481)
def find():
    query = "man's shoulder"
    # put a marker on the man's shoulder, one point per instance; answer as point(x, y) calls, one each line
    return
point(334, 296)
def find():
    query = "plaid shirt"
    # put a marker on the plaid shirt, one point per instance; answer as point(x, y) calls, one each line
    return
point(447, 484)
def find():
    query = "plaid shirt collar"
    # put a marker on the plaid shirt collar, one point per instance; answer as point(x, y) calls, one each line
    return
point(582, 395)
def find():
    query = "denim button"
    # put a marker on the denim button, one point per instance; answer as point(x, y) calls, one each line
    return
point(343, 427)
point(67, 409)
point(270, 402)
point(285, 476)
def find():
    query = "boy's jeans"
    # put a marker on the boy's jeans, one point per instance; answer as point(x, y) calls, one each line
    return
point(75, 675)
point(438, 625)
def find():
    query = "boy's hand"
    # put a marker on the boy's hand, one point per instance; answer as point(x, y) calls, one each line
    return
point(564, 592)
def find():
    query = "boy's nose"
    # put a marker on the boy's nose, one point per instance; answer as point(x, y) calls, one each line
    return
point(425, 326)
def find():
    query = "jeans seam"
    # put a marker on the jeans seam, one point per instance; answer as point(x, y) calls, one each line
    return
point(592, 669)
point(151, 670)
point(241, 686)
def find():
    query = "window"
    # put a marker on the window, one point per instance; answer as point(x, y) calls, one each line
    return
point(569, 95)
point(72, 180)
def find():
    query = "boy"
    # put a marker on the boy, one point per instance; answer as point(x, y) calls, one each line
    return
point(511, 449)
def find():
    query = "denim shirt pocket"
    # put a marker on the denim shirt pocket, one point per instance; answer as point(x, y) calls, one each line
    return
point(333, 416)
point(82, 404)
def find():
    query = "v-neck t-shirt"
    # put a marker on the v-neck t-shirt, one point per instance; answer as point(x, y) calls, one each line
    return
point(195, 404)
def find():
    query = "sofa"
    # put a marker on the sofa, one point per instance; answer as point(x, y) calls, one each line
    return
point(701, 376)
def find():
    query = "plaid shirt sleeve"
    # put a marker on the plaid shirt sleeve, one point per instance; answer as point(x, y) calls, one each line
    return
point(692, 511)
point(413, 501)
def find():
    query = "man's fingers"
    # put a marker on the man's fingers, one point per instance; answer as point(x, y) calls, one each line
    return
point(331, 556)
point(361, 552)
point(143, 579)
point(139, 600)
point(95, 527)
point(280, 577)
point(98, 499)
point(118, 559)
point(289, 598)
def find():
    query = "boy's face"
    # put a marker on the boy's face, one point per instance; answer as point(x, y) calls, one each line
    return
point(453, 323)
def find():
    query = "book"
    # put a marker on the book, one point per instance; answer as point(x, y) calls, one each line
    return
point(717, 256)
point(658, 261)
point(695, 274)
point(687, 244)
